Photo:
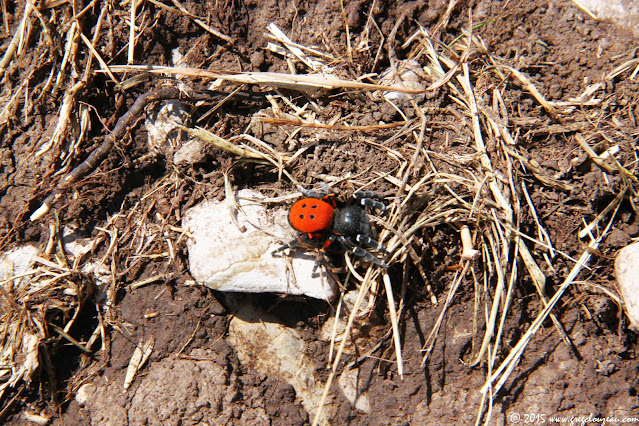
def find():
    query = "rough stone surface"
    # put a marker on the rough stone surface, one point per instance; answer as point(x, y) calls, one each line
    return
point(172, 391)
point(226, 258)
point(627, 271)
point(406, 74)
point(622, 12)
point(17, 261)
point(353, 387)
point(163, 136)
point(270, 347)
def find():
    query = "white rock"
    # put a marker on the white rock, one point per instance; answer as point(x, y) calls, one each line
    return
point(622, 12)
point(177, 57)
point(407, 74)
point(75, 244)
point(335, 327)
point(627, 272)
point(224, 258)
point(36, 418)
point(164, 137)
point(162, 121)
point(352, 384)
point(17, 261)
point(273, 349)
point(22, 259)
point(191, 152)
point(84, 394)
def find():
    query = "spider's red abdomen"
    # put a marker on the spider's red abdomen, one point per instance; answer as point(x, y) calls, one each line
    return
point(311, 215)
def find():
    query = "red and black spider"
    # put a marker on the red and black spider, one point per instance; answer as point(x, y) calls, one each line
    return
point(321, 222)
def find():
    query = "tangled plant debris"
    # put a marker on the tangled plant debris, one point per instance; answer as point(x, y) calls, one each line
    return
point(508, 166)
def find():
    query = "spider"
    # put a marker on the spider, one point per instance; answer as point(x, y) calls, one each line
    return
point(322, 222)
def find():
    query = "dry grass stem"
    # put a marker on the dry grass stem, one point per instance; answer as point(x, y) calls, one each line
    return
point(392, 311)
point(201, 22)
point(501, 374)
point(581, 6)
point(131, 50)
point(303, 82)
point(296, 50)
point(141, 353)
point(363, 292)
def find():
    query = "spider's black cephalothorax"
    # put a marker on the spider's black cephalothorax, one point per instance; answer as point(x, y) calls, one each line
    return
point(321, 222)
point(351, 220)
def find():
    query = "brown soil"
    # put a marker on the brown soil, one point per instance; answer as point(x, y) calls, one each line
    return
point(559, 48)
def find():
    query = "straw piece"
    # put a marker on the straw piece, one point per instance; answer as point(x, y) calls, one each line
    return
point(501, 374)
point(528, 85)
point(96, 55)
point(219, 142)
point(593, 155)
point(534, 270)
point(17, 38)
point(303, 82)
point(201, 22)
point(131, 50)
point(581, 6)
point(363, 291)
point(614, 204)
point(141, 353)
point(394, 323)
point(278, 35)
point(427, 349)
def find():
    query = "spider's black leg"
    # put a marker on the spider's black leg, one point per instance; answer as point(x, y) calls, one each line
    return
point(311, 193)
point(367, 198)
point(360, 252)
point(322, 252)
point(291, 244)
point(365, 194)
point(369, 242)
point(302, 239)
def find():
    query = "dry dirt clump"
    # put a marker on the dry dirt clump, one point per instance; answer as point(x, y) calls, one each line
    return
point(502, 137)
